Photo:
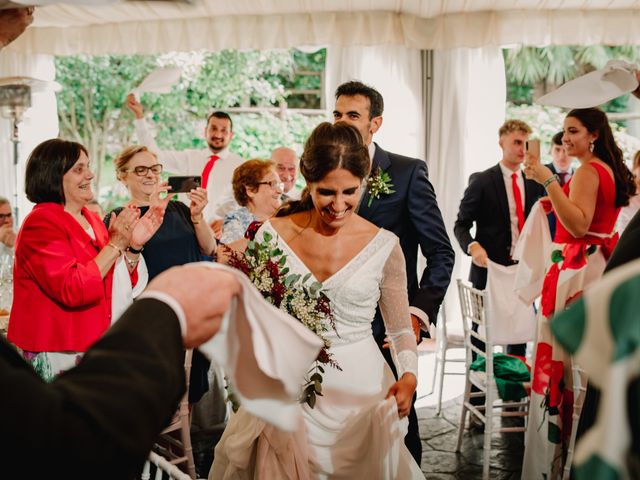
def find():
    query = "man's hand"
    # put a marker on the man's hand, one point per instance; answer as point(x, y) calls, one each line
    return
point(13, 22)
point(478, 255)
point(415, 324)
point(135, 106)
point(204, 295)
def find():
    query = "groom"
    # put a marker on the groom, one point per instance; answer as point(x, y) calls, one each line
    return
point(411, 212)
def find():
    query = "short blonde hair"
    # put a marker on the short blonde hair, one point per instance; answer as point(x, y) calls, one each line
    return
point(514, 126)
point(123, 158)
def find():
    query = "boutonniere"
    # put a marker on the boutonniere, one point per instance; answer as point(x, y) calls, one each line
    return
point(379, 184)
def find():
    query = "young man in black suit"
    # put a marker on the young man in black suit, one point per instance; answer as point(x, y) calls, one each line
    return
point(100, 419)
point(497, 201)
point(411, 212)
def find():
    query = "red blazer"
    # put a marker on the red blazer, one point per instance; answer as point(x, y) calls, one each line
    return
point(60, 303)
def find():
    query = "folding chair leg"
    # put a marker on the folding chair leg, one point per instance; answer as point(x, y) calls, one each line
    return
point(463, 414)
point(488, 428)
point(443, 363)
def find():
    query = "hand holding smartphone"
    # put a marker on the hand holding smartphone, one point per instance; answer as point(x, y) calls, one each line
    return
point(184, 184)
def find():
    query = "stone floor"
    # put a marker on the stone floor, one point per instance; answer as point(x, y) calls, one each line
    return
point(439, 438)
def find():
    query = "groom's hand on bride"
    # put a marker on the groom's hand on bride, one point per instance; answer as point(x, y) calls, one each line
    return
point(403, 390)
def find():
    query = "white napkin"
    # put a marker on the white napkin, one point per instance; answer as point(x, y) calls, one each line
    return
point(265, 353)
point(594, 88)
point(159, 81)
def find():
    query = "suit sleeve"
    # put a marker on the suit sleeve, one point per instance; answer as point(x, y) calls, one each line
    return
point(100, 418)
point(48, 256)
point(434, 243)
point(468, 213)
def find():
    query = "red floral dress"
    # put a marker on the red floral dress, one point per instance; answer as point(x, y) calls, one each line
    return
point(575, 264)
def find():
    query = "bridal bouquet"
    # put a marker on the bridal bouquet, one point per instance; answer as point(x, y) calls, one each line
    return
point(265, 265)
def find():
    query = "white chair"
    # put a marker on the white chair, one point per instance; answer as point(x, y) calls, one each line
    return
point(174, 442)
point(445, 341)
point(163, 467)
point(472, 304)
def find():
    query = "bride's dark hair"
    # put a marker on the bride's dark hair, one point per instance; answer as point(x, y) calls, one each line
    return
point(330, 146)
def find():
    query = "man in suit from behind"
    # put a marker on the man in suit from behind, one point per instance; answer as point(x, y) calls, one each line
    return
point(411, 212)
point(497, 201)
point(561, 166)
point(100, 419)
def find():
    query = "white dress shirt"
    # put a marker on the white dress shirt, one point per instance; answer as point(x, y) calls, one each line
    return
point(192, 162)
point(513, 217)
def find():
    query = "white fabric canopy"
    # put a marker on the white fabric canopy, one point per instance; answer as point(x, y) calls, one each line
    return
point(154, 27)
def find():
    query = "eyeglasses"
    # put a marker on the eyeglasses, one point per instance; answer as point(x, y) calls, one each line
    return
point(141, 170)
point(275, 184)
point(5, 215)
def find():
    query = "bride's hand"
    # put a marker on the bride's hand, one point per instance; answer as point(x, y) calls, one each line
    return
point(403, 390)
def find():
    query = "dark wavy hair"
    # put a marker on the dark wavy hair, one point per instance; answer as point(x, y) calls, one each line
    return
point(46, 166)
point(605, 148)
point(330, 146)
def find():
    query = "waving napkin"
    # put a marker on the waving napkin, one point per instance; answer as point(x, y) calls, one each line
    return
point(594, 88)
point(265, 353)
point(159, 81)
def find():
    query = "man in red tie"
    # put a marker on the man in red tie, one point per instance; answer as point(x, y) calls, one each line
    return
point(215, 164)
point(497, 201)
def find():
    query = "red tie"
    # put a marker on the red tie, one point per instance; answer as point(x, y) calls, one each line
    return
point(563, 178)
point(207, 170)
point(518, 198)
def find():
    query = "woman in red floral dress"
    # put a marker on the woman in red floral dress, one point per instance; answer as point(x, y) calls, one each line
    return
point(586, 209)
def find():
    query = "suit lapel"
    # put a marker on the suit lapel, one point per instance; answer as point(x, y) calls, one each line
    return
point(501, 192)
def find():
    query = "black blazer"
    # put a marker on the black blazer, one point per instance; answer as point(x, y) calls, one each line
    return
point(99, 419)
point(412, 213)
point(485, 204)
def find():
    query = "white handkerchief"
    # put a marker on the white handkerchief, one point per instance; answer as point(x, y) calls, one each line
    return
point(594, 88)
point(159, 81)
point(265, 353)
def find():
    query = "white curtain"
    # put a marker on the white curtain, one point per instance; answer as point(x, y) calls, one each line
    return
point(467, 109)
point(396, 73)
point(40, 123)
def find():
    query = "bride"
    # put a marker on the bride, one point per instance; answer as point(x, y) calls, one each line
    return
point(356, 428)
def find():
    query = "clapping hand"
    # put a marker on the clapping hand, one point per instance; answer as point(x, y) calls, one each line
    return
point(135, 106)
point(121, 227)
point(403, 390)
point(147, 226)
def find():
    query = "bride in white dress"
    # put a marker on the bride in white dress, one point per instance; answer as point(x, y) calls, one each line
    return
point(357, 427)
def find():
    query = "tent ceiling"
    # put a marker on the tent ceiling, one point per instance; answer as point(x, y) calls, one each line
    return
point(153, 27)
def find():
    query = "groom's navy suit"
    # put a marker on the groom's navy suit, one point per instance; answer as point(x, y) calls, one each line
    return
point(412, 213)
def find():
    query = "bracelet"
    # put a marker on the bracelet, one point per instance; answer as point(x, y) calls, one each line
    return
point(195, 222)
point(114, 246)
point(135, 251)
point(550, 180)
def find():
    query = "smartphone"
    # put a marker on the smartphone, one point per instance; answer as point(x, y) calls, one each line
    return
point(533, 147)
point(183, 184)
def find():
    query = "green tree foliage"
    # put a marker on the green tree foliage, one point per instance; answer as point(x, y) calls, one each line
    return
point(91, 111)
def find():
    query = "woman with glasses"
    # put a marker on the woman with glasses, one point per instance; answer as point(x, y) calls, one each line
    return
point(7, 234)
point(258, 190)
point(184, 236)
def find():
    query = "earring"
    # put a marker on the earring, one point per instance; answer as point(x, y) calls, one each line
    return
point(591, 146)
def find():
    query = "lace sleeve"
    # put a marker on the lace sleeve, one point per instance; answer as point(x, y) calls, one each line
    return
point(394, 306)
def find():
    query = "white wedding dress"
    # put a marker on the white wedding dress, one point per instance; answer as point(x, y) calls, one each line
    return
point(352, 432)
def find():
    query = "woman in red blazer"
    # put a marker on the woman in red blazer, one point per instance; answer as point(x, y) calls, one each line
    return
point(64, 259)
